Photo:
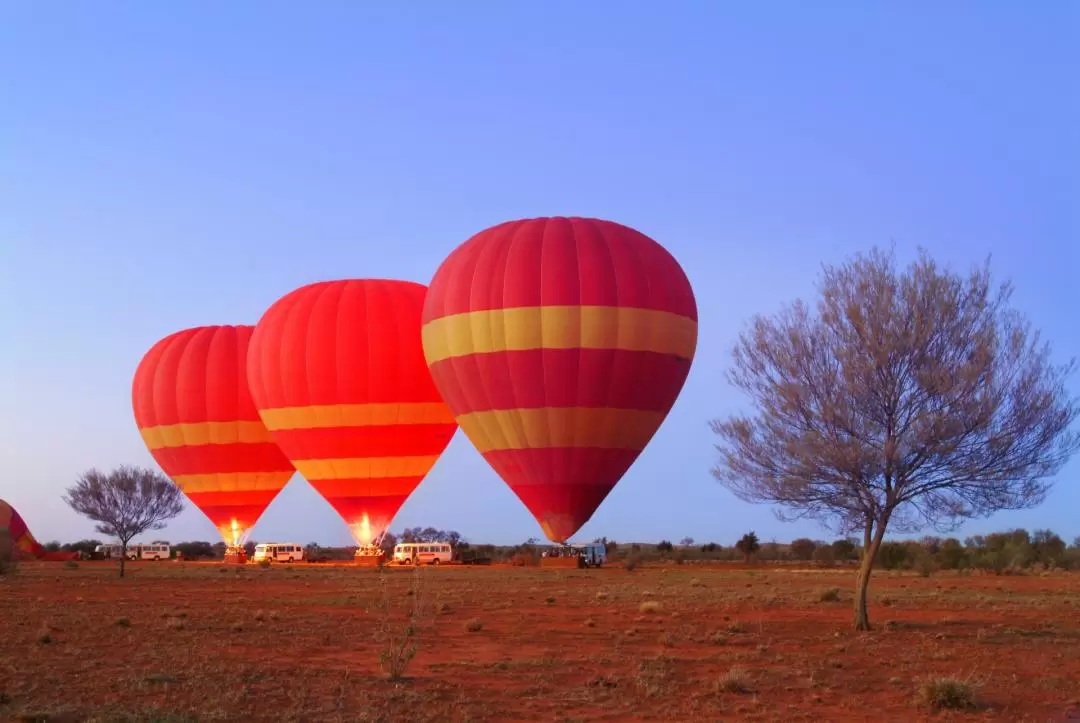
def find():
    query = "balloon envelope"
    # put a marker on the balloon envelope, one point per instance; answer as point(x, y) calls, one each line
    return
point(560, 344)
point(14, 532)
point(195, 413)
point(338, 374)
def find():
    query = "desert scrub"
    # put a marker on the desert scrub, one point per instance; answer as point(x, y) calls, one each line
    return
point(947, 693)
point(734, 681)
point(649, 606)
point(474, 626)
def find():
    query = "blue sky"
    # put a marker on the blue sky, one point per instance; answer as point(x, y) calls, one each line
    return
point(170, 165)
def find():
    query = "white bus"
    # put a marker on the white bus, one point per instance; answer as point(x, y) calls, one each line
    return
point(138, 551)
point(423, 553)
point(278, 552)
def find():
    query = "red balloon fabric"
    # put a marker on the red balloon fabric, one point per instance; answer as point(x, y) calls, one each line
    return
point(193, 408)
point(560, 344)
point(338, 374)
point(14, 529)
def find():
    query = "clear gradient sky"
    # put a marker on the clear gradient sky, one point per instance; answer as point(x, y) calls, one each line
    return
point(171, 165)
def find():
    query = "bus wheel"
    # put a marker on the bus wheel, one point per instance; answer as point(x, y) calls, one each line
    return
point(435, 562)
point(157, 558)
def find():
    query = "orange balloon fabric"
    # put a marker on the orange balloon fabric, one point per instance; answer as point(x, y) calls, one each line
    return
point(560, 344)
point(338, 374)
point(196, 415)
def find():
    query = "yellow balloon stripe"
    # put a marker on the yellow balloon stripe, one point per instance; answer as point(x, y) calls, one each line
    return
point(559, 327)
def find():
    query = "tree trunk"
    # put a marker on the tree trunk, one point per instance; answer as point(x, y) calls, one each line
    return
point(123, 557)
point(871, 543)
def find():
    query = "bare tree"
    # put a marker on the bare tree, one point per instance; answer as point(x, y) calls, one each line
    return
point(125, 502)
point(912, 398)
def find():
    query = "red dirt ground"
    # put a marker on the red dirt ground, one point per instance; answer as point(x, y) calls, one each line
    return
point(196, 641)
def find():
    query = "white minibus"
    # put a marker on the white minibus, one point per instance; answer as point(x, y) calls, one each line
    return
point(278, 552)
point(422, 553)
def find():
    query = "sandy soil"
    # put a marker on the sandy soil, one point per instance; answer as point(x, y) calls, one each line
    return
point(204, 642)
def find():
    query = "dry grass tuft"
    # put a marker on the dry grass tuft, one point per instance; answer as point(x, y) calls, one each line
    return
point(174, 623)
point(474, 625)
point(122, 623)
point(259, 615)
point(649, 606)
point(947, 693)
point(601, 595)
point(734, 681)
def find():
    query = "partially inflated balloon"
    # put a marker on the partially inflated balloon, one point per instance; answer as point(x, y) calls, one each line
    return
point(195, 413)
point(338, 374)
point(560, 344)
point(14, 532)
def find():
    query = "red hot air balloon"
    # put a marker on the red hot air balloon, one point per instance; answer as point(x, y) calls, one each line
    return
point(560, 344)
point(338, 374)
point(195, 413)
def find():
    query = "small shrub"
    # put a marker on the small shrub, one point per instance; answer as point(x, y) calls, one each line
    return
point(71, 565)
point(238, 627)
point(649, 606)
point(474, 626)
point(262, 563)
point(694, 582)
point(633, 562)
point(444, 609)
point(45, 637)
point(719, 638)
point(736, 627)
point(734, 681)
point(601, 595)
point(274, 615)
point(174, 623)
point(259, 615)
point(122, 623)
point(947, 693)
point(831, 594)
point(550, 600)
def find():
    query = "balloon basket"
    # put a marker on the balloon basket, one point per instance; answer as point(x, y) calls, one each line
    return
point(235, 556)
point(369, 557)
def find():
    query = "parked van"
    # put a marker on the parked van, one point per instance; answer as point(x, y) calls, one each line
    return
point(278, 552)
point(423, 553)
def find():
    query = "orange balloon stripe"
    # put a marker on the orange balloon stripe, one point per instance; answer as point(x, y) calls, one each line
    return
point(232, 482)
point(193, 434)
point(603, 428)
point(559, 327)
point(356, 415)
point(357, 468)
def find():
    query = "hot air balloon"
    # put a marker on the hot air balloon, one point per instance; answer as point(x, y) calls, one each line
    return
point(195, 413)
point(338, 374)
point(15, 537)
point(560, 344)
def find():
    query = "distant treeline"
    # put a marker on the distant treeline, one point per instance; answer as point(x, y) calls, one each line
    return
point(999, 552)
